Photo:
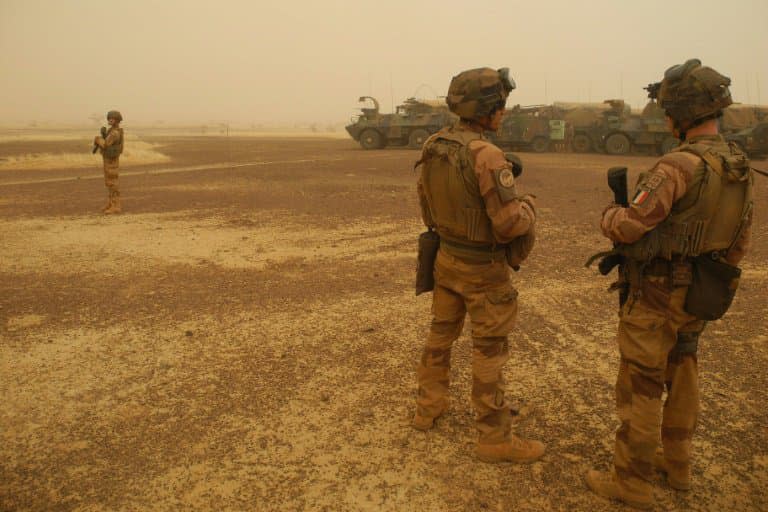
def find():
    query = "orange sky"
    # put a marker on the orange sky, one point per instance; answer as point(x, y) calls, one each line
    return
point(308, 61)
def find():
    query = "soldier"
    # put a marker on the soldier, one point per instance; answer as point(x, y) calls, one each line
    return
point(467, 194)
point(682, 234)
point(110, 143)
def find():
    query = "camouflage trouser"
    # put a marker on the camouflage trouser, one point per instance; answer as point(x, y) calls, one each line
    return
point(657, 340)
point(486, 293)
point(111, 177)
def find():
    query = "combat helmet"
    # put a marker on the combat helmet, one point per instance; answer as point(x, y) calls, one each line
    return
point(114, 114)
point(478, 92)
point(691, 93)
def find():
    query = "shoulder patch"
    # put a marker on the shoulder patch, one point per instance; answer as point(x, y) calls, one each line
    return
point(505, 184)
point(506, 178)
point(652, 181)
point(646, 187)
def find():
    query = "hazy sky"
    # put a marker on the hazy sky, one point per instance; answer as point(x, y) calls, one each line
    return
point(251, 61)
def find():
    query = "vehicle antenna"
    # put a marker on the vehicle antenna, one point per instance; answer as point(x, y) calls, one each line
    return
point(391, 92)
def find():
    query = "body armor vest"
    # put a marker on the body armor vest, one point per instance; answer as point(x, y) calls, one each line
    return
point(456, 207)
point(712, 213)
point(115, 150)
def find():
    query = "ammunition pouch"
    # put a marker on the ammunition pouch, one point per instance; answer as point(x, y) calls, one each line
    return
point(429, 243)
point(713, 286)
point(115, 150)
point(678, 270)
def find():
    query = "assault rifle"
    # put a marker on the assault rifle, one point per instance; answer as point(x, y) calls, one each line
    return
point(103, 135)
point(617, 181)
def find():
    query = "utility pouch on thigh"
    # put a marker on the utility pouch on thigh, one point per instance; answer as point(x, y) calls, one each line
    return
point(713, 286)
point(429, 243)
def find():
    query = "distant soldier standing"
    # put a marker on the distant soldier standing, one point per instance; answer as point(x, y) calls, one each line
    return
point(468, 196)
point(110, 143)
point(682, 234)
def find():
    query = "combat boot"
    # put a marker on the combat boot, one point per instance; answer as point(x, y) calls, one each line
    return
point(604, 484)
point(424, 423)
point(114, 206)
point(513, 450)
point(678, 475)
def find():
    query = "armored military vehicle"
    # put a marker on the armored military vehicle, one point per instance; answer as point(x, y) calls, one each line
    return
point(753, 141)
point(739, 117)
point(590, 123)
point(410, 125)
point(614, 129)
point(536, 127)
point(646, 132)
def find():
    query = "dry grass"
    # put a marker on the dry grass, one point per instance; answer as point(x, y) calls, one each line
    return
point(136, 153)
point(24, 136)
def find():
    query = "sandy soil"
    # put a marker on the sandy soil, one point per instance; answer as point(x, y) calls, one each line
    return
point(244, 337)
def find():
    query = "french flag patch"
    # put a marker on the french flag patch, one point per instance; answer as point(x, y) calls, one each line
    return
point(640, 197)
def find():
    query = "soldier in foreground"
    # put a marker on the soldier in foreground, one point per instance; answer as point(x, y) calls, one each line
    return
point(468, 196)
point(681, 237)
point(110, 143)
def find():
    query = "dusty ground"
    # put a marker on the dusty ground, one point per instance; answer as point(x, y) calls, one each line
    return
point(244, 337)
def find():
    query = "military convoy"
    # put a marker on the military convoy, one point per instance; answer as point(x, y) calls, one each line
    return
point(609, 127)
point(410, 125)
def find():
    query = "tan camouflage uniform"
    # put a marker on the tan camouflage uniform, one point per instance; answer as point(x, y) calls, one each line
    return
point(483, 290)
point(111, 166)
point(657, 340)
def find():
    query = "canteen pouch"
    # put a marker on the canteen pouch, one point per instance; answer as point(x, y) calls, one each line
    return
point(712, 288)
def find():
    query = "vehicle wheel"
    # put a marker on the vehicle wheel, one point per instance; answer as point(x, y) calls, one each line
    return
point(540, 144)
point(617, 144)
point(581, 143)
point(371, 139)
point(417, 138)
point(668, 144)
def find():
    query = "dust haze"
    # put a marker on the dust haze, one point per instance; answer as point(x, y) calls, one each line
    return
point(244, 335)
point(279, 63)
